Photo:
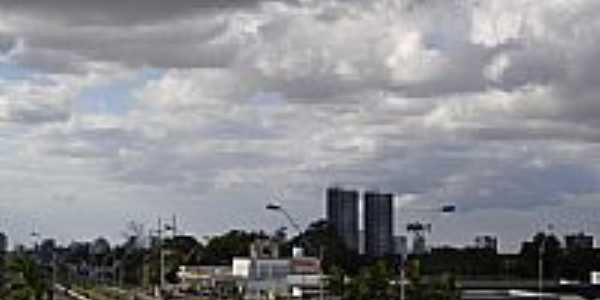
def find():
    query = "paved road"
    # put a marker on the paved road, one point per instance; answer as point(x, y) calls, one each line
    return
point(61, 296)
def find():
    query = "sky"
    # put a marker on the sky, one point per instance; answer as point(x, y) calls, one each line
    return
point(120, 110)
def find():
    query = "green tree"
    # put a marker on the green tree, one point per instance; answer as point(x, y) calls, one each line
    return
point(27, 280)
point(321, 239)
point(220, 250)
point(337, 281)
point(373, 282)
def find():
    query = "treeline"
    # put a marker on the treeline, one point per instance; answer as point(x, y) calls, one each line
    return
point(558, 261)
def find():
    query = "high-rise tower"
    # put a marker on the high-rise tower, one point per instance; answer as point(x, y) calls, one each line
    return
point(378, 223)
point(342, 215)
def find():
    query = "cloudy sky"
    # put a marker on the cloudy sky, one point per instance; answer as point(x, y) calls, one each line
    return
point(123, 110)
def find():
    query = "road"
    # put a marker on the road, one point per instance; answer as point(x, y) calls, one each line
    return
point(61, 296)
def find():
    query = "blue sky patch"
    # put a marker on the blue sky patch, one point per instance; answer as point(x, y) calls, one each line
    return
point(114, 97)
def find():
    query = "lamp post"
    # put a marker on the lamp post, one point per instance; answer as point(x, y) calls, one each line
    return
point(541, 252)
point(280, 209)
point(446, 209)
point(162, 227)
point(541, 267)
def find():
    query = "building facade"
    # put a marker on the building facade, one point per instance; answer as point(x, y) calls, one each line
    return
point(579, 241)
point(401, 245)
point(342, 215)
point(379, 225)
point(486, 242)
point(3, 257)
point(270, 277)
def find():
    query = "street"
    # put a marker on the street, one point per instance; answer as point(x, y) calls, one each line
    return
point(62, 296)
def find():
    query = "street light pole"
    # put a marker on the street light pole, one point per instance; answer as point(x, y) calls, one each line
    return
point(279, 208)
point(402, 276)
point(446, 209)
point(541, 267)
point(161, 228)
point(541, 252)
point(161, 254)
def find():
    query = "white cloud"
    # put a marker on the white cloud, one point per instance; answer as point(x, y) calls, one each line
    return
point(489, 104)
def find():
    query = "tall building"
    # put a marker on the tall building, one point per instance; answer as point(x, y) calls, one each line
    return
point(579, 241)
point(342, 215)
point(487, 242)
point(3, 242)
point(3, 251)
point(378, 224)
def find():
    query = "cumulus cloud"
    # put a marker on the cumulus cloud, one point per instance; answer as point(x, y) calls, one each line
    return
point(491, 105)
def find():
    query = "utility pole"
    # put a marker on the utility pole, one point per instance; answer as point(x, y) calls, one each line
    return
point(541, 267)
point(402, 276)
point(541, 252)
point(161, 254)
point(321, 296)
point(174, 225)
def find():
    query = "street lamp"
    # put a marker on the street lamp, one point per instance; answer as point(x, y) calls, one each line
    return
point(280, 209)
point(162, 227)
point(417, 227)
point(541, 252)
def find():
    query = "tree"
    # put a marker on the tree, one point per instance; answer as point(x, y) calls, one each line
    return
point(337, 281)
point(373, 282)
point(183, 250)
point(220, 250)
point(530, 253)
point(321, 239)
point(27, 282)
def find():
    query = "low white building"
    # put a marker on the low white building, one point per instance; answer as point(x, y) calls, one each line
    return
point(263, 275)
point(207, 279)
point(268, 276)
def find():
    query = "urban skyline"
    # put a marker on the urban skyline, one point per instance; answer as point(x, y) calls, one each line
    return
point(349, 211)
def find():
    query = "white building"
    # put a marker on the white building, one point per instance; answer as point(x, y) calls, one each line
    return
point(263, 275)
point(218, 279)
point(268, 276)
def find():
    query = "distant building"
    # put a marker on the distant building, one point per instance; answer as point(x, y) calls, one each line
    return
point(3, 242)
point(487, 242)
point(217, 280)
point(378, 223)
point(400, 245)
point(269, 276)
point(46, 251)
point(342, 215)
point(419, 245)
point(3, 251)
point(100, 246)
point(579, 241)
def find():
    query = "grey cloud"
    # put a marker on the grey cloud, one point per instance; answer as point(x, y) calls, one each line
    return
point(7, 44)
point(31, 104)
point(115, 12)
point(180, 45)
point(350, 105)
point(519, 187)
point(485, 177)
point(37, 115)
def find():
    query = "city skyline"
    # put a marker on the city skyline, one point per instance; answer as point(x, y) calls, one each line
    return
point(115, 111)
